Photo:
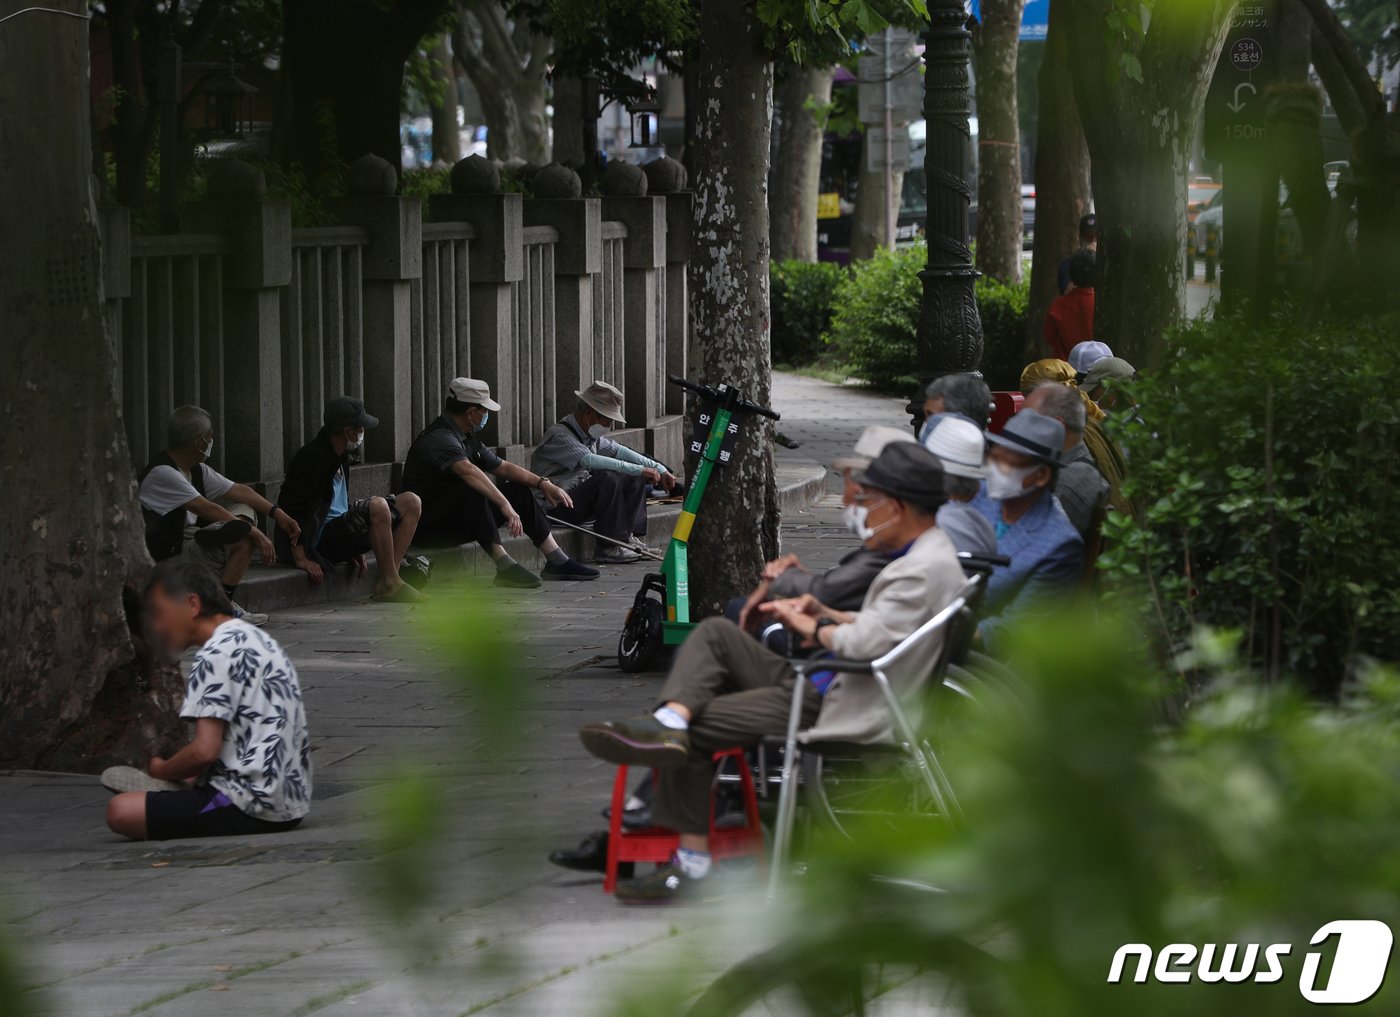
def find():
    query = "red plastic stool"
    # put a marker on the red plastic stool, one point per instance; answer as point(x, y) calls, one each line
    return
point(654, 844)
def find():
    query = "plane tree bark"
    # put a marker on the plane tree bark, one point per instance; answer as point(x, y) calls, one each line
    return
point(508, 63)
point(995, 45)
point(729, 292)
point(79, 688)
point(801, 95)
point(1140, 95)
point(1062, 193)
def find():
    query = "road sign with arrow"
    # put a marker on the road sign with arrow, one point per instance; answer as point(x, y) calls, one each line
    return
point(1234, 114)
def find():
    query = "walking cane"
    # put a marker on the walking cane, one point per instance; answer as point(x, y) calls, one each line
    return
point(645, 552)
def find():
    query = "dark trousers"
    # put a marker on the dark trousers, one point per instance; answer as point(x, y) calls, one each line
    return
point(614, 502)
point(737, 693)
point(466, 514)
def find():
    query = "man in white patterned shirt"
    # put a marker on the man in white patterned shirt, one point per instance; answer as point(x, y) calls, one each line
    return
point(248, 767)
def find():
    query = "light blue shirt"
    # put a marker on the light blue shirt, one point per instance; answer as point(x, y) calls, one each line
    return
point(340, 497)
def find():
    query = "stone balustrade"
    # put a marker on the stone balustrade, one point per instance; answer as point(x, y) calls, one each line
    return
point(260, 322)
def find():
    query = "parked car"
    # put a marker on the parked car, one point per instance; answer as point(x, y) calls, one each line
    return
point(1199, 194)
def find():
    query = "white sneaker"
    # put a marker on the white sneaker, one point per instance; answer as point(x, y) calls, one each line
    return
point(251, 617)
point(614, 555)
point(127, 778)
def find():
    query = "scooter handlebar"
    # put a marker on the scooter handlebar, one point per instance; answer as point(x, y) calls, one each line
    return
point(743, 405)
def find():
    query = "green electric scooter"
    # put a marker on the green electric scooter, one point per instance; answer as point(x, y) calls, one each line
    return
point(660, 614)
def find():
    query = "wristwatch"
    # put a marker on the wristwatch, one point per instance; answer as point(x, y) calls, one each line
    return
point(823, 623)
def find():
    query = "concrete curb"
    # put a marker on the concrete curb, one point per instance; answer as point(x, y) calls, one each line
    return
point(801, 483)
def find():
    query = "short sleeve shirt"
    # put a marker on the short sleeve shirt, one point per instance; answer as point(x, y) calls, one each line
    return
point(241, 676)
point(165, 488)
point(427, 471)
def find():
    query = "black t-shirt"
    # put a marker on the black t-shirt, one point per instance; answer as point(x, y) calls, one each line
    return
point(427, 471)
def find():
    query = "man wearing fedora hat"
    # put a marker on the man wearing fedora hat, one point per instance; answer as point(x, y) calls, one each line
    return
point(606, 480)
point(452, 471)
point(726, 689)
point(1017, 498)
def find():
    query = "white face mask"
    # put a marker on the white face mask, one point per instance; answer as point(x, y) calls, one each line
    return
point(1004, 483)
point(357, 440)
point(597, 430)
point(856, 515)
point(205, 447)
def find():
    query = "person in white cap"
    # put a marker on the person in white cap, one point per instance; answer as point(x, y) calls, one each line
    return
point(448, 467)
point(1088, 353)
point(606, 480)
point(961, 448)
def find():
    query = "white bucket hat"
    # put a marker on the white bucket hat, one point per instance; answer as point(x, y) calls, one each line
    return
point(959, 445)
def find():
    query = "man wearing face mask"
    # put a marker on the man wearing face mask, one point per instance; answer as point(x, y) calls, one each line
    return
point(450, 468)
point(726, 689)
point(316, 493)
point(1046, 551)
point(606, 480)
point(193, 510)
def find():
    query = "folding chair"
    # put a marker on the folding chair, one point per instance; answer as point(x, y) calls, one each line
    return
point(945, 623)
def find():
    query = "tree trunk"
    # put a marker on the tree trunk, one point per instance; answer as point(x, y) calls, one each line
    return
point(447, 137)
point(78, 691)
point(1061, 176)
point(346, 60)
point(868, 217)
point(797, 175)
point(1140, 135)
point(999, 226)
point(738, 529)
point(568, 121)
point(509, 66)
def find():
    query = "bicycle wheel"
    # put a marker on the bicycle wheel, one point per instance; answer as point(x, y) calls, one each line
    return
point(866, 969)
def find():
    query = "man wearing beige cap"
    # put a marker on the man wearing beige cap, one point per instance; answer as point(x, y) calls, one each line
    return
point(606, 480)
point(452, 471)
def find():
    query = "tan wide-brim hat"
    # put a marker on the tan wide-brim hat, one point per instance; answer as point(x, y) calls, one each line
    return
point(603, 398)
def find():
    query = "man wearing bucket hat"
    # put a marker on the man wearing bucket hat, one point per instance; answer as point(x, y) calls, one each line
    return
point(961, 448)
point(726, 689)
point(1017, 498)
point(606, 480)
point(452, 471)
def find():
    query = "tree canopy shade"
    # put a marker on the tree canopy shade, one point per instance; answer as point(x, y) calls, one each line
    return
point(343, 75)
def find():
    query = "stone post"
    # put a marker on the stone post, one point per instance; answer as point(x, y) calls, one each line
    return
point(577, 258)
point(393, 258)
point(496, 262)
point(625, 200)
point(667, 177)
point(259, 264)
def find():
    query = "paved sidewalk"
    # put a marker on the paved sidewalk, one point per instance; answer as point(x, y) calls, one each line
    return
point(289, 925)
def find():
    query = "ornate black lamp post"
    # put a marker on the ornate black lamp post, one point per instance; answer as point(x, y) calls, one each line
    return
point(950, 330)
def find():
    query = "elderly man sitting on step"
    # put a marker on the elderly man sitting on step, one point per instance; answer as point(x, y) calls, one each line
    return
point(606, 480)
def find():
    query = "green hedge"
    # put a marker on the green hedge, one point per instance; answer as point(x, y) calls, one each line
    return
point(801, 295)
point(1269, 486)
point(876, 319)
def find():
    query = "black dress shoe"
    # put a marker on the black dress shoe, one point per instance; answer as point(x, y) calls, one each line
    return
point(636, 741)
point(591, 855)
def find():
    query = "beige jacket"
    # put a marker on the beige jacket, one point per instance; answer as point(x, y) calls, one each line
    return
point(908, 592)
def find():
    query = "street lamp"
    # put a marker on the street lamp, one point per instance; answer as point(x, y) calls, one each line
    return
point(950, 329)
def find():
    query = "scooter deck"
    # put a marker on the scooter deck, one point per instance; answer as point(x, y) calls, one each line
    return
point(675, 633)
